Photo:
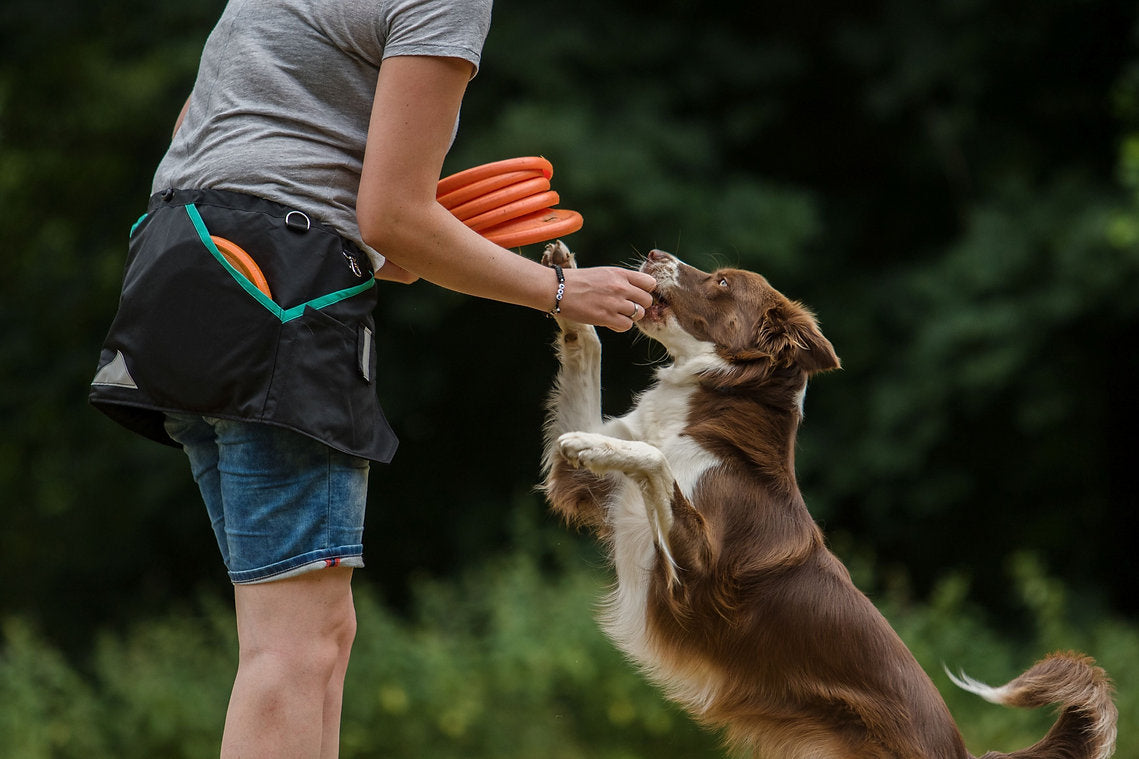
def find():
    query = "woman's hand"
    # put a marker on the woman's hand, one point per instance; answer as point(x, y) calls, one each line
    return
point(606, 296)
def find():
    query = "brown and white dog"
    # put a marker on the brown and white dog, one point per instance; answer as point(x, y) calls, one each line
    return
point(726, 594)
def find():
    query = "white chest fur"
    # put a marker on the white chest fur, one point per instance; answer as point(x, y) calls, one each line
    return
point(662, 414)
point(659, 419)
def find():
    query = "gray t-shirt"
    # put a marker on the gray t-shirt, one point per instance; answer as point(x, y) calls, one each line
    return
point(284, 92)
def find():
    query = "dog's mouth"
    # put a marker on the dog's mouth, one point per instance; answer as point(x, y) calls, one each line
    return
point(659, 307)
point(662, 267)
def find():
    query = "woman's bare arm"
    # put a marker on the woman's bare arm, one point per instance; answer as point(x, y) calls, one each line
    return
point(417, 102)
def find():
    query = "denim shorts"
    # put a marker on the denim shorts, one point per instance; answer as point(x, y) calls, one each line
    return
point(281, 503)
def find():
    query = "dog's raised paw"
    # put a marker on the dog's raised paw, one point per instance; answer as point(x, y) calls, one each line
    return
point(583, 449)
point(557, 253)
point(601, 453)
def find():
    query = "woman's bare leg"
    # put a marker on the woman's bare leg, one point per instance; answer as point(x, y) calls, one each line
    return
point(295, 637)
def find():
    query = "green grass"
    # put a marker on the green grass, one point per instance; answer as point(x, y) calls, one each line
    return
point(505, 661)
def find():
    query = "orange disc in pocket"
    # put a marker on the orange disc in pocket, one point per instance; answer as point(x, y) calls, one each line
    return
point(243, 262)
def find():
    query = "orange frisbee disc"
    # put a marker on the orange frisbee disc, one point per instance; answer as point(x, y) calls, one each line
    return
point(508, 202)
point(534, 227)
point(476, 173)
point(501, 197)
point(243, 262)
point(513, 210)
point(477, 189)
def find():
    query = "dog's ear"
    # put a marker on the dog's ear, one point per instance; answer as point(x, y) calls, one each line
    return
point(790, 336)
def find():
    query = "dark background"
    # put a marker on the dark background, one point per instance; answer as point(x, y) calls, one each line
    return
point(950, 184)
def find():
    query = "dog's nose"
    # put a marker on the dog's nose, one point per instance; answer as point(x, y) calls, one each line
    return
point(658, 255)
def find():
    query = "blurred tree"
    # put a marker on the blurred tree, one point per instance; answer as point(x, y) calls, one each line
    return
point(97, 525)
point(937, 179)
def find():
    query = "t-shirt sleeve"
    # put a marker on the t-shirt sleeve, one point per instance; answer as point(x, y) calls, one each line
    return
point(450, 28)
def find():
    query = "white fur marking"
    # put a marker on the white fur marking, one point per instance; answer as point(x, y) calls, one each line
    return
point(659, 419)
point(987, 692)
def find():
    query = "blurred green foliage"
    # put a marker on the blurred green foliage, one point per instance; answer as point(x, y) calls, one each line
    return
point(503, 661)
point(952, 185)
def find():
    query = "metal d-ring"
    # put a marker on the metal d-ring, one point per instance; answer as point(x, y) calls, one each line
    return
point(298, 221)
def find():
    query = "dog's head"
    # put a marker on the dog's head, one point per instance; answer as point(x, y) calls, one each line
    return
point(736, 314)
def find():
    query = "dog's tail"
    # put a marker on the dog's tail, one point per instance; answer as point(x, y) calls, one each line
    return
point(1085, 728)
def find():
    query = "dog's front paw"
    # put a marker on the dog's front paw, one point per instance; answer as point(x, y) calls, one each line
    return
point(602, 453)
point(557, 254)
point(579, 449)
point(585, 450)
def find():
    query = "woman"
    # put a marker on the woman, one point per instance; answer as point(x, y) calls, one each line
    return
point(313, 138)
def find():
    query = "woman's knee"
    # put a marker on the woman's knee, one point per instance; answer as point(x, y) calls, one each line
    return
point(309, 619)
point(342, 633)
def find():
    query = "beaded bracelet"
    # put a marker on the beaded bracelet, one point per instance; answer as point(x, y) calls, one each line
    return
point(557, 309)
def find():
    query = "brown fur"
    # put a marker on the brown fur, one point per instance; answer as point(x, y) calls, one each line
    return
point(753, 625)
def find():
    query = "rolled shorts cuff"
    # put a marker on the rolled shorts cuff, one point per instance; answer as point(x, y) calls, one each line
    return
point(346, 556)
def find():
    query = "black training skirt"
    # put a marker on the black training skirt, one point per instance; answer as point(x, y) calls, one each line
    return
point(194, 334)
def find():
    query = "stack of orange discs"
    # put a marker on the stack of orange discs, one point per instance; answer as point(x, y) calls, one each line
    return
point(508, 202)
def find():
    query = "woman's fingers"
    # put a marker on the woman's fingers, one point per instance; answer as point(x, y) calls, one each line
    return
point(607, 296)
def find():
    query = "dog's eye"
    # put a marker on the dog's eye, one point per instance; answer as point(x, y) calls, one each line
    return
point(723, 282)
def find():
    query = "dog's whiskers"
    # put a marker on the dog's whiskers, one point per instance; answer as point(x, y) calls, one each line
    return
point(653, 346)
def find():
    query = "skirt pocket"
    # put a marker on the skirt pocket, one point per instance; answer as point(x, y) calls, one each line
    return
point(322, 352)
point(192, 335)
